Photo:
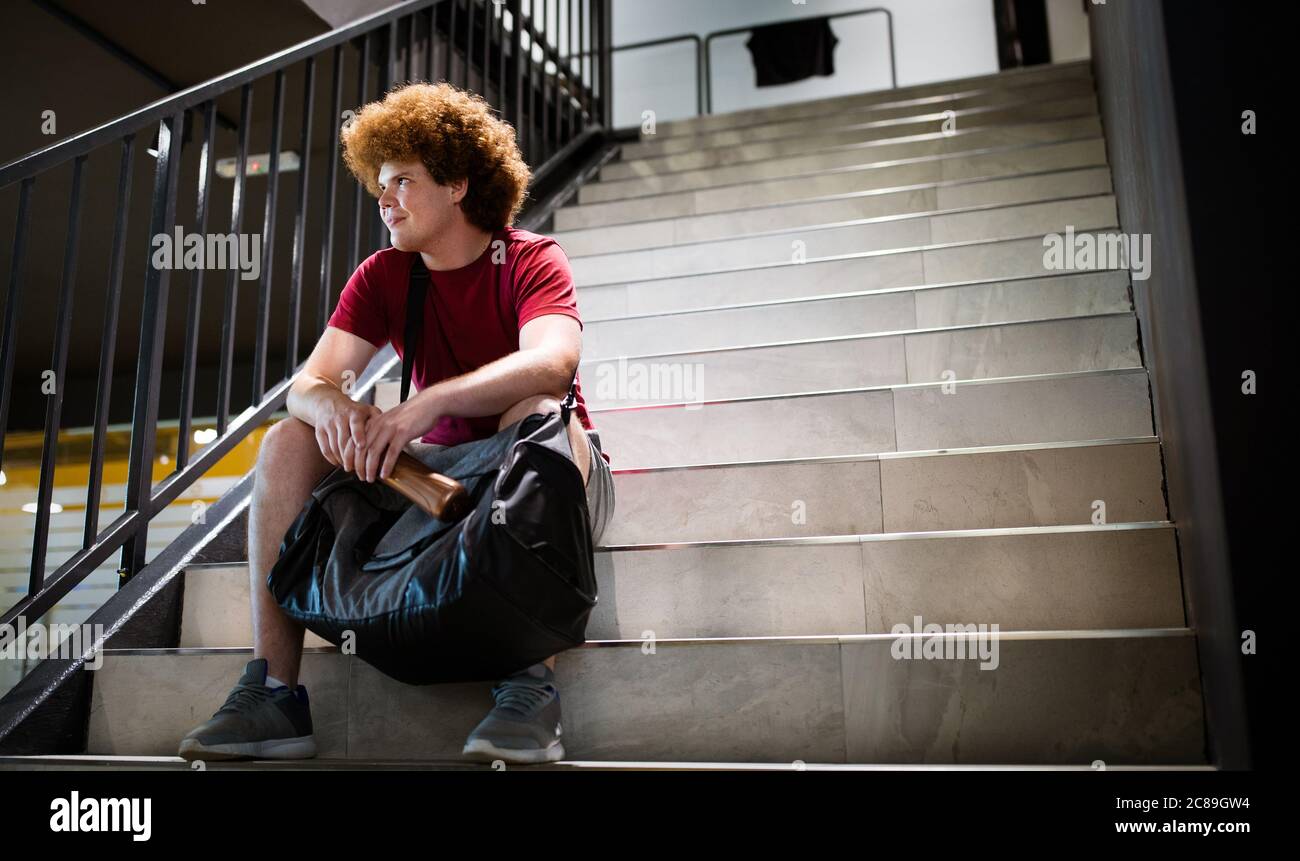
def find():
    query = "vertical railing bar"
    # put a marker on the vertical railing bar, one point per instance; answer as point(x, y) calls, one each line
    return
point(546, 82)
point(500, 27)
point(516, 71)
point(430, 42)
point(526, 108)
point(606, 63)
point(584, 79)
point(379, 236)
point(225, 374)
point(13, 303)
point(153, 320)
point(268, 242)
point(487, 49)
point(108, 342)
point(54, 400)
point(331, 191)
point(451, 43)
point(558, 137)
point(469, 43)
point(300, 216)
point(410, 45)
point(569, 75)
point(358, 192)
point(207, 170)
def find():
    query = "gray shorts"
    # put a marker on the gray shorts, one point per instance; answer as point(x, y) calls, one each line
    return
point(600, 484)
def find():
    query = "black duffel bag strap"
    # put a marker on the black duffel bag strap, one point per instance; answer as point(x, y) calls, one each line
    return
point(415, 291)
point(419, 282)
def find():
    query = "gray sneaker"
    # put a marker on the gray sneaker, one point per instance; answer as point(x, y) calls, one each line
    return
point(255, 722)
point(524, 726)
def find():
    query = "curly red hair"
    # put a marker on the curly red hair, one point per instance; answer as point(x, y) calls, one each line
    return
point(454, 133)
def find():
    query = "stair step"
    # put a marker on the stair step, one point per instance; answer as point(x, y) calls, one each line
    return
point(1133, 696)
point(691, 127)
point(872, 203)
point(807, 146)
point(837, 211)
point(1042, 408)
point(81, 762)
point(975, 488)
point(1053, 297)
point(843, 181)
point(927, 162)
point(862, 237)
point(1036, 578)
point(977, 352)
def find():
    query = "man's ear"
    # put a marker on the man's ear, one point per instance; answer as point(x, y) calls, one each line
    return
point(460, 188)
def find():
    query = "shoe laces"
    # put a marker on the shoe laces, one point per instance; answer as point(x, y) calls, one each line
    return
point(244, 697)
point(522, 696)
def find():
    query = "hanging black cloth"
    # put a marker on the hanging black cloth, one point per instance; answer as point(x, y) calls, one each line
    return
point(792, 50)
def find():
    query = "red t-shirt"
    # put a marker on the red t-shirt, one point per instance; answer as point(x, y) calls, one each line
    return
point(481, 308)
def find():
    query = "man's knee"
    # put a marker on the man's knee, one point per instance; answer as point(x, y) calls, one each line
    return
point(528, 406)
point(289, 448)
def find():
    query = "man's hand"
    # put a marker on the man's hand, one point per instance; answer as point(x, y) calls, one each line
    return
point(340, 433)
point(386, 434)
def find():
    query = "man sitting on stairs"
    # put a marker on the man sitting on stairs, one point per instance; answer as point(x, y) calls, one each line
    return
point(502, 340)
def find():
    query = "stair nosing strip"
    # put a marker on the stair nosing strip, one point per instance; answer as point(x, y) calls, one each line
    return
point(834, 225)
point(864, 108)
point(901, 139)
point(853, 168)
point(846, 195)
point(869, 457)
point(855, 255)
point(1016, 378)
point(1013, 75)
point(854, 294)
point(785, 639)
point(863, 336)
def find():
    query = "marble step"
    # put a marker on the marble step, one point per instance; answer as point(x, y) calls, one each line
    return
point(844, 181)
point(828, 212)
point(691, 127)
point(1051, 297)
point(1101, 342)
point(991, 263)
point(909, 129)
point(1035, 578)
point(1026, 137)
point(83, 762)
point(865, 236)
point(986, 487)
point(1038, 408)
point(1130, 697)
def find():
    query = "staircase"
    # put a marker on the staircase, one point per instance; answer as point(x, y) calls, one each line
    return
point(900, 413)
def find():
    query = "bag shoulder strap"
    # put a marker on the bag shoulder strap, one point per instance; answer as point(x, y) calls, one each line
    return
point(419, 281)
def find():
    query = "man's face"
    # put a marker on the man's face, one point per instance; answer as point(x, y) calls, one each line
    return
point(414, 207)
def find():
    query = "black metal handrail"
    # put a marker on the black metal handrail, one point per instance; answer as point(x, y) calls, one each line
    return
point(708, 69)
point(550, 112)
point(703, 57)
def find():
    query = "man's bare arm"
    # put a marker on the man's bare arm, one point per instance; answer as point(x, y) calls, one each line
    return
point(317, 396)
point(549, 349)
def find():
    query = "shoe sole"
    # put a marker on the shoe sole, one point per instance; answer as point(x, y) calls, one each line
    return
point(279, 748)
point(485, 751)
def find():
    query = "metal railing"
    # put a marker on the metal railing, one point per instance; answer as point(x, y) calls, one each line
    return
point(551, 103)
point(708, 41)
point(703, 55)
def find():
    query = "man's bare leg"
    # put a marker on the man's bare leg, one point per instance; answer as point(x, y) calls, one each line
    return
point(289, 466)
point(577, 439)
